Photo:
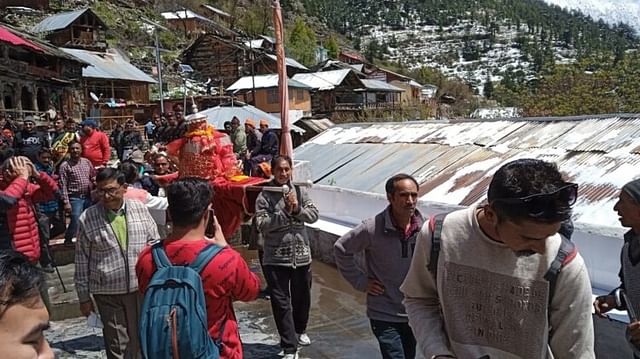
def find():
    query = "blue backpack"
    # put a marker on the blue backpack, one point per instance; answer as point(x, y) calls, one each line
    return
point(173, 323)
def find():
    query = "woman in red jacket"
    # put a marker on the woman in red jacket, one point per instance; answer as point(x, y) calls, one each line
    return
point(18, 224)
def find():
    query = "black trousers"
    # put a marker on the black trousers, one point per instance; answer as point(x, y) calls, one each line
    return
point(290, 302)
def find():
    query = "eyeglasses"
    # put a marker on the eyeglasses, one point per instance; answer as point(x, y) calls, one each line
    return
point(110, 191)
point(539, 204)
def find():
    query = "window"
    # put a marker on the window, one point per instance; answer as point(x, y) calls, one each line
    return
point(272, 96)
point(300, 95)
point(291, 94)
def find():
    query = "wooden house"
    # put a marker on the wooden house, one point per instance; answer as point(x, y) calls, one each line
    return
point(122, 89)
point(224, 60)
point(35, 76)
point(333, 90)
point(267, 63)
point(267, 95)
point(188, 22)
point(80, 29)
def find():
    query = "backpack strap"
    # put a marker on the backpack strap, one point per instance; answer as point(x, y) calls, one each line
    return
point(566, 253)
point(204, 257)
point(160, 256)
point(435, 226)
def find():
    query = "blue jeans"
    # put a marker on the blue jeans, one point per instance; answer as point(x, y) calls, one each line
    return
point(396, 340)
point(78, 205)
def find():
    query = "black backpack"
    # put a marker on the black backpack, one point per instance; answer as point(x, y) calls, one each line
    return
point(566, 253)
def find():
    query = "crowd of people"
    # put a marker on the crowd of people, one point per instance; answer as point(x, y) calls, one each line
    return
point(499, 280)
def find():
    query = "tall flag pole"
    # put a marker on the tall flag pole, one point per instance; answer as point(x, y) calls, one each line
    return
point(286, 144)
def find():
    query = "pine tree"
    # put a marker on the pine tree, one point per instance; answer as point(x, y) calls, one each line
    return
point(332, 46)
point(488, 88)
point(302, 43)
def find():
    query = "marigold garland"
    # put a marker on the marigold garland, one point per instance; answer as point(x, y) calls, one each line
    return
point(208, 132)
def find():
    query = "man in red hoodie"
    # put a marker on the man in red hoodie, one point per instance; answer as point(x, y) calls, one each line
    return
point(225, 278)
point(17, 196)
point(95, 144)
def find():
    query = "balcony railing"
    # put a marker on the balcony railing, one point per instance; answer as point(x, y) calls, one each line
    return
point(367, 106)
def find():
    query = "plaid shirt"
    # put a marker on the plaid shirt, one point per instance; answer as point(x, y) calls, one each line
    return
point(76, 178)
point(102, 266)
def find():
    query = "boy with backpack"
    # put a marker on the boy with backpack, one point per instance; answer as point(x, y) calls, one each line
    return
point(190, 281)
point(498, 281)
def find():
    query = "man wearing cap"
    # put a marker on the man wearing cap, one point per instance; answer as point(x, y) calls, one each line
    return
point(95, 144)
point(253, 135)
point(29, 142)
point(238, 138)
point(268, 148)
point(628, 208)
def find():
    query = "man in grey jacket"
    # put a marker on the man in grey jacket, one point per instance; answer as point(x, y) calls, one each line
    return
point(387, 241)
point(111, 235)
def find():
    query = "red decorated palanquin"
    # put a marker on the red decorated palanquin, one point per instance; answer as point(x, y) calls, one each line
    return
point(206, 153)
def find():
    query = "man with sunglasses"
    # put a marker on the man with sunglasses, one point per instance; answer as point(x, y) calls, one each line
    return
point(225, 278)
point(111, 235)
point(487, 292)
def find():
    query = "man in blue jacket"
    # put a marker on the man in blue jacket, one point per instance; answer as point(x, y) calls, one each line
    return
point(387, 241)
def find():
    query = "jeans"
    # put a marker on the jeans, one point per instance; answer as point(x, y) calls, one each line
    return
point(290, 302)
point(78, 205)
point(396, 340)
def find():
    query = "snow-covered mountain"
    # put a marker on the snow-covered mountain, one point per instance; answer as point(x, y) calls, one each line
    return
point(611, 11)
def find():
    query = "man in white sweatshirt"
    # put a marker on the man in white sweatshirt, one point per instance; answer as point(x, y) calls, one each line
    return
point(487, 296)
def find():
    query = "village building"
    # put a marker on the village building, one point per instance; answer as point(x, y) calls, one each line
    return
point(338, 92)
point(188, 22)
point(267, 95)
point(116, 91)
point(81, 29)
point(35, 76)
point(113, 89)
point(224, 60)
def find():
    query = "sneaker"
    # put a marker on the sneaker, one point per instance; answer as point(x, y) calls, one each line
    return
point(303, 339)
point(290, 356)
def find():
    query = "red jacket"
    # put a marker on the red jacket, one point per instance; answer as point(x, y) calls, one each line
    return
point(225, 279)
point(95, 148)
point(19, 197)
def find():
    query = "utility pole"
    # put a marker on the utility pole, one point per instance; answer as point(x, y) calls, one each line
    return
point(159, 65)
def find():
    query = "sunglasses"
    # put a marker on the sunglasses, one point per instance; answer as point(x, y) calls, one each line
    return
point(539, 204)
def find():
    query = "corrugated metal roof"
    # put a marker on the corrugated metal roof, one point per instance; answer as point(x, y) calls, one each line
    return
point(262, 81)
point(108, 65)
point(183, 14)
point(454, 161)
point(290, 62)
point(254, 44)
point(58, 21)
point(377, 85)
point(216, 10)
point(218, 115)
point(324, 80)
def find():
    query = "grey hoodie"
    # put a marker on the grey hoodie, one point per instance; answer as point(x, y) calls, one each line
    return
point(388, 257)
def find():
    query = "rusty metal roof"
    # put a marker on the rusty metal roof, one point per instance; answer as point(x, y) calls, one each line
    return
point(454, 160)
